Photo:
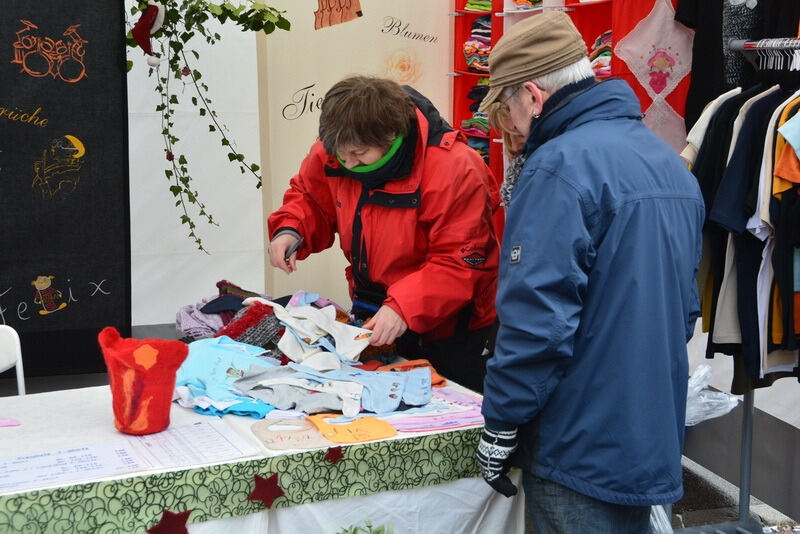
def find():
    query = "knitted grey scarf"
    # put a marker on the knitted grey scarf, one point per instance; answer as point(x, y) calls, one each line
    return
point(512, 175)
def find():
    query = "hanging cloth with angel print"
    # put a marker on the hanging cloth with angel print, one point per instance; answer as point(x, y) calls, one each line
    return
point(658, 53)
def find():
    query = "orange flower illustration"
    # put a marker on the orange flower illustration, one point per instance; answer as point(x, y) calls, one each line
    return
point(402, 66)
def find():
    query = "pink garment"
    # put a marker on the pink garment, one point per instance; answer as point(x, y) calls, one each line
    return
point(192, 322)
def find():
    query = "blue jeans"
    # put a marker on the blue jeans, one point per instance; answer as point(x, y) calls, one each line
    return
point(556, 509)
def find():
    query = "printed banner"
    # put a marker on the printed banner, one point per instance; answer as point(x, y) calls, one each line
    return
point(65, 225)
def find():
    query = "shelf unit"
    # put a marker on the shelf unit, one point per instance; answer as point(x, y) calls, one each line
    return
point(592, 18)
point(464, 80)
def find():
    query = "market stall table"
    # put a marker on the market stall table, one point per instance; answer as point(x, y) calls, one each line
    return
point(413, 482)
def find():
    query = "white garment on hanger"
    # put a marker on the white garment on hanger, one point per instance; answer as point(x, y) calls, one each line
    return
point(694, 139)
point(726, 318)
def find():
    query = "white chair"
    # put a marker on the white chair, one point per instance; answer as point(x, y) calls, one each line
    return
point(11, 354)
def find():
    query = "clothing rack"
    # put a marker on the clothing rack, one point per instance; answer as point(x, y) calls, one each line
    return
point(771, 54)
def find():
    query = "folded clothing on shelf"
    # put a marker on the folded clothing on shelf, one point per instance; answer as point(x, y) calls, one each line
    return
point(478, 124)
point(478, 5)
point(478, 45)
point(600, 55)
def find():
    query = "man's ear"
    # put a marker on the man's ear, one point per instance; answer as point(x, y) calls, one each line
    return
point(536, 95)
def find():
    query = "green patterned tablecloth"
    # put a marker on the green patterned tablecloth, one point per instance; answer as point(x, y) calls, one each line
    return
point(135, 504)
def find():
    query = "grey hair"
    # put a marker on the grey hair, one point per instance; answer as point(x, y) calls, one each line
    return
point(553, 81)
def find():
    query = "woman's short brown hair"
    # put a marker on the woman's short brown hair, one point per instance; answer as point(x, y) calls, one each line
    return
point(364, 111)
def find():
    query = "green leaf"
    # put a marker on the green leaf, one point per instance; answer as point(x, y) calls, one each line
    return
point(269, 27)
point(241, 169)
point(173, 99)
point(215, 9)
point(196, 55)
point(211, 128)
point(283, 24)
point(128, 65)
point(202, 112)
point(168, 172)
point(240, 157)
point(176, 46)
point(172, 15)
point(225, 142)
point(197, 75)
point(176, 190)
point(194, 100)
point(254, 167)
point(231, 156)
point(182, 160)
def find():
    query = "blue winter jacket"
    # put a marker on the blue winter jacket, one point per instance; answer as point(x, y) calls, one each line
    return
point(596, 301)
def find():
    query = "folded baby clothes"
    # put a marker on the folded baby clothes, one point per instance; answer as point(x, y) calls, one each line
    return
point(211, 368)
point(308, 395)
point(382, 391)
point(437, 380)
point(359, 431)
point(283, 434)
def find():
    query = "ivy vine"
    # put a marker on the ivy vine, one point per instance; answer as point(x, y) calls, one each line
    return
point(185, 22)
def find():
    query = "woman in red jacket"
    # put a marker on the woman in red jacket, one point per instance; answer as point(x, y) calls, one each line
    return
point(412, 205)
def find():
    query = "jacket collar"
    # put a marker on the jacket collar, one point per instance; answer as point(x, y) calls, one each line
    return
point(580, 103)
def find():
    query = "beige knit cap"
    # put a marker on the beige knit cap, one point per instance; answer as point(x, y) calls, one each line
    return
point(538, 45)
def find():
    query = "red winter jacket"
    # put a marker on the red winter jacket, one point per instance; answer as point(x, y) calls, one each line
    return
point(428, 238)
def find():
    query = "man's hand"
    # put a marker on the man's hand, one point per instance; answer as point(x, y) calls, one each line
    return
point(386, 326)
point(277, 253)
point(493, 451)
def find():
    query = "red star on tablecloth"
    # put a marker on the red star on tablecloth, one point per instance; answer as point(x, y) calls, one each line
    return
point(171, 523)
point(334, 454)
point(266, 490)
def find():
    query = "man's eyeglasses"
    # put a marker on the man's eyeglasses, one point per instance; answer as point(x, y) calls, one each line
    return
point(506, 99)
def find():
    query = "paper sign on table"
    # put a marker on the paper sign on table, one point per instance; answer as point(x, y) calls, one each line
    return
point(68, 465)
point(201, 443)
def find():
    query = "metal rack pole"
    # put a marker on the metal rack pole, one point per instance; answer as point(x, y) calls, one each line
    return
point(746, 457)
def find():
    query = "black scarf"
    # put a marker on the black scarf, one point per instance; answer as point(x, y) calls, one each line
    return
point(398, 167)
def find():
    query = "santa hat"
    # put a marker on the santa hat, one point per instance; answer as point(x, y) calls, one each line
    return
point(149, 23)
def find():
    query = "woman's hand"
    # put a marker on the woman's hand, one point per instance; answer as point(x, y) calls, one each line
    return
point(386, 326)
point(277, 253)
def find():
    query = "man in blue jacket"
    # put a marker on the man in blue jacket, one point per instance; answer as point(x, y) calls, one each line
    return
point(596, 296)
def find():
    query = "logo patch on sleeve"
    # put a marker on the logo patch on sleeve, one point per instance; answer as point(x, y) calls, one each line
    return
point(474, 259)
point(516, 253)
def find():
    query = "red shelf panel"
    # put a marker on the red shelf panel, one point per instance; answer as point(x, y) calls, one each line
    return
point(584, 4)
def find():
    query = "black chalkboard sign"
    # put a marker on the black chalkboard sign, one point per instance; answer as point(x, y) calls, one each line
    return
point(64, 210)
